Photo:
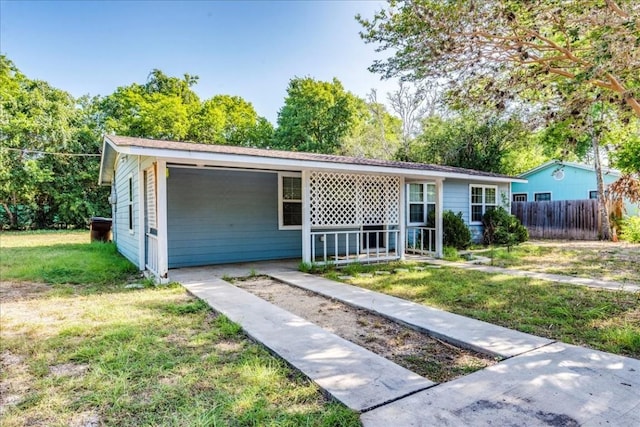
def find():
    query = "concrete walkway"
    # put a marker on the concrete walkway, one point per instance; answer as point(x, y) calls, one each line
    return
point(557, 385)
point(351, 374)
point(570, 280)
point(541, 383)
point(459, 330)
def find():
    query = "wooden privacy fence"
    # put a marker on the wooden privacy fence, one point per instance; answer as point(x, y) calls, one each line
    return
point(559, 219)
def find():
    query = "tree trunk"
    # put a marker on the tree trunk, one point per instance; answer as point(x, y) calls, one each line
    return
point(12, 217)
point(605, 231)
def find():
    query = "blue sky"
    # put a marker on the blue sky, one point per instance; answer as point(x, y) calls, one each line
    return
point(246, 48)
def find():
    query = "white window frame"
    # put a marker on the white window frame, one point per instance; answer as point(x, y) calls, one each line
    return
point(542, 192)
point(484, 203)
point(281, 200)
point(513, 196)
point(425, 201)
point(131, 224)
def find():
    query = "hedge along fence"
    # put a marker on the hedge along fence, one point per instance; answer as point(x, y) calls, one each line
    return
point(559, 219)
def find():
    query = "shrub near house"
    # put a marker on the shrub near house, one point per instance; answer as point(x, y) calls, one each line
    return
point(502, 228)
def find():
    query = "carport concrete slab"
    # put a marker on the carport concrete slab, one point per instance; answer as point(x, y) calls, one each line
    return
point(462, 331)
point(353, 375)
point(558, 385)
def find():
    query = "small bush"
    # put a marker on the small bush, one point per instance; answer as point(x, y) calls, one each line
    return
point(456, 232)
point(502, 228)
point(631, 229)
point(450, 253)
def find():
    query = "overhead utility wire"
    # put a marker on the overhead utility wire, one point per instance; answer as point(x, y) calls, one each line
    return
point(24, 150)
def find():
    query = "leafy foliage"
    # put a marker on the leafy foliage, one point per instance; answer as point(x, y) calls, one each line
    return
point(39, 187)
point(472, 142)
point(316, 116)
point(491, 50)
point(376, 132)
point(456, 233)
point(502, 228)
point(631, 229)
point(167, 108)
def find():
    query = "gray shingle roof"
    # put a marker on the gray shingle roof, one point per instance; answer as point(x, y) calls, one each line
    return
point(126, 141)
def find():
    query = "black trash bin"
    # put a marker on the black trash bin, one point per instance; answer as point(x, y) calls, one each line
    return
point(100, 229)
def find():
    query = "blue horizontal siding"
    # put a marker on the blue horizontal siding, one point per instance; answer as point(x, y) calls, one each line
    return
point(126, 241)
point(217, 217)
point(456, 199)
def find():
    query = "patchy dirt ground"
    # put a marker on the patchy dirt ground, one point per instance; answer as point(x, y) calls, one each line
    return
point(415, 351)
point(14, 291)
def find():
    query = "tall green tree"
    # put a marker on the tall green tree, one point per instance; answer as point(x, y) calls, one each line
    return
point(230, 120)
point(316, 116)
point(502, 53)
point(48, 159)
point(376, 133)
point(513, 45)
point(473, 142)
point(160, 108)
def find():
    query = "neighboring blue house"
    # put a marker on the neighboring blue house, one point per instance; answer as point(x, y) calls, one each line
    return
point(179, 204)
point(557, 180)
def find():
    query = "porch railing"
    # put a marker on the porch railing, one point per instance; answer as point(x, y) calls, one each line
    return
point(345, 247)
point(421, 240)
point(152, 254)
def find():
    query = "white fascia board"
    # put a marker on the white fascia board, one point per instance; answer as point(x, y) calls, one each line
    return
point(109, 152)
point(255, 162)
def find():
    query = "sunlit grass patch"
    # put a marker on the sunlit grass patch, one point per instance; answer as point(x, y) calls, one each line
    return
point(600, 260)
point(601, 319)
point(83, 350)
point(147, 357)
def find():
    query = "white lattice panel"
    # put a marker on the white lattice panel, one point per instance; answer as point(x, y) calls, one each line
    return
point(150, 175)
point(341, 199)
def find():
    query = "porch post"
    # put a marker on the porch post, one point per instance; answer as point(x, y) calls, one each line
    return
point(439, 223)
point(402, 220)
point(163, 257)
point(306, 218)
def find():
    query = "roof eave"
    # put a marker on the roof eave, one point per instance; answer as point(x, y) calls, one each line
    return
point(248, 161)
point(107, 162)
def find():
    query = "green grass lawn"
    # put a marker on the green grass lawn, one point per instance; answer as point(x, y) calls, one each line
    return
point(596, 260)
point(83, 350)
point(601, 319)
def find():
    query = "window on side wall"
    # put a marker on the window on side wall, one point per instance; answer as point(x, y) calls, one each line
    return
point(519, 197)
point(130, 203)
point(422, 204)
point(482, 199)
point(593, 194)
point(542, 197)
point(289, 202)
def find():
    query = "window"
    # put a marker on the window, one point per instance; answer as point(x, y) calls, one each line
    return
point(483, 198)
point(130, 200)
point(519, 197)
point(542, 197)
point(422, 204)
point(593, 194)
point(290, 202)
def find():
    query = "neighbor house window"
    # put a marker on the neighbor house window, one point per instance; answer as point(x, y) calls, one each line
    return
point(541, 197)
point(290, 201)
point(519, 197)
point(483, 198)
point(593, 194)
point(130, 201)
point(422, 204)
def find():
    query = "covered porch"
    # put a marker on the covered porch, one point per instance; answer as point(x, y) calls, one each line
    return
point(210, 215)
